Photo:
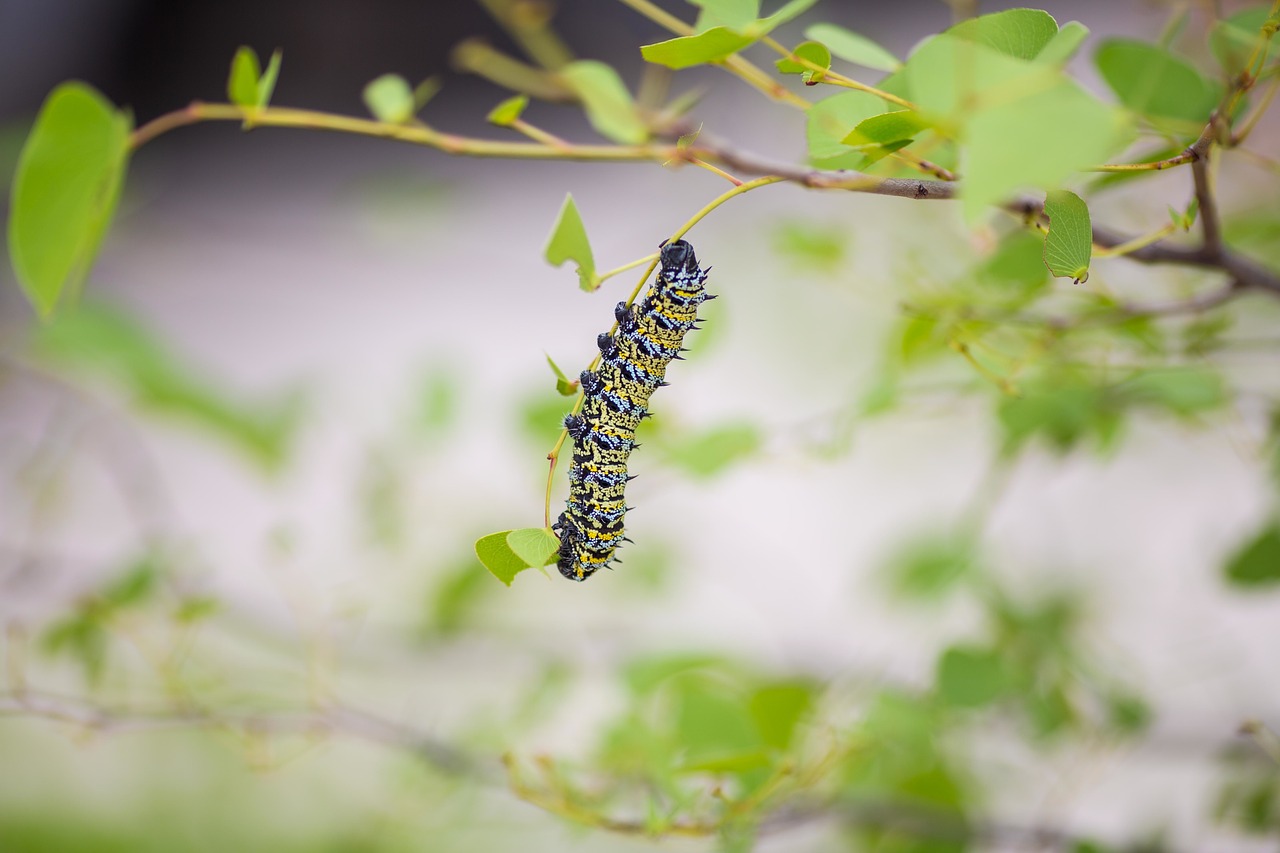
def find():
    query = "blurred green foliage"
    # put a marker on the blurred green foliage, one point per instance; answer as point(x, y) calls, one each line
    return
point(717, 744)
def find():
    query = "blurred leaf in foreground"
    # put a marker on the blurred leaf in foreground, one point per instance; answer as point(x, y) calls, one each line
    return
point(105, 342)
point(65, 192)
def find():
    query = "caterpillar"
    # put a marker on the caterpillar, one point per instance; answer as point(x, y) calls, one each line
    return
point(633, 364)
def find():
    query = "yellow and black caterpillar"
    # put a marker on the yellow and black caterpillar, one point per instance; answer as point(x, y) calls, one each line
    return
point(633, 363)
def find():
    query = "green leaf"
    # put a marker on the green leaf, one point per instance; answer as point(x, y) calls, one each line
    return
point(777, 709)
point(886, 128)
point(104, 342)
point(1233, 40)
point(810, 51)
point(196, 608)
point(1183, 391)
point(1154, 83)
point(1020, 33)
point(568, 242)
point(932, 566)
point(537, 546)
point(1063, 410)
point(424, 92)
point(606, 99)
point(852, 47)
point(1023, 124)
point(1064, 44)
point(1017, 268)
point(242, 83)
point(564, 385)
point(435, 402)
point(1128, 713)
point(496, 556)
point(65, 192)
point(714, 729)
point(811, 244)
point(389, 99)
point(971, 676)
point(830, 121)
point(714, 45)
point(712, 452)
point(734, 14)
point(135, 586)
point(507, 112)
point(1069, 244)
point(645, 675)
point(1257, 563)
point(267, 82)
point(789, 11)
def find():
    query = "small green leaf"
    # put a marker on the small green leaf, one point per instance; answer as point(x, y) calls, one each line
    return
point(830, 121)
point(564, 385)
point(537, 546)
point(1183, 391)
point(1128, 713)
point(1069, 244)
point(1021, 33)
point(714, 45)
point(776, 710)
point(455, 597)
point(852, 47)
point(196, 608)
point(1233, 40)
point(568, 242)
point(930, 567)
point(1257, 564)
point(712, 452)
point(1153, 82)
point(65, 192)
point(1017, 268)
point(1064, 44)
point(606, 100)
point(811, 244)
point(1184, 219)
point(971, 676)
point(389, 99)
point(267, 82)
point(734, 14)
point(507, 112)
point(886, 128)
point(242, 83)
point(714, 728)
point(424, 92)
point(498, 558)
point(810, 51)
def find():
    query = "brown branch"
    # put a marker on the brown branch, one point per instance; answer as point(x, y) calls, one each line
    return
point(1210, 227)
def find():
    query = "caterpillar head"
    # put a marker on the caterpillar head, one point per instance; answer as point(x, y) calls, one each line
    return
point(679, 255)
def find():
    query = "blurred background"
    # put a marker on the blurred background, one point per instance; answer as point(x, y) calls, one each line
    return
point(236, 554)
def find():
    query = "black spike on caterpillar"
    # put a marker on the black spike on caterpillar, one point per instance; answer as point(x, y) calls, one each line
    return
point(633, 364)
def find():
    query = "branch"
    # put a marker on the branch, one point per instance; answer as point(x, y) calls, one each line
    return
point(1209, 225)
point(1245, 270)
point(321, 720)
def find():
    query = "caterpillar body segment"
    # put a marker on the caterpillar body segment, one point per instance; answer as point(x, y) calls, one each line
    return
point(633, 364)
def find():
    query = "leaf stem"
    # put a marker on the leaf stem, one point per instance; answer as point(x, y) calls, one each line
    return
point(835, 78)
point(1136, 243)
point(637, 262)
point(554, 456)
point(736, 65)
